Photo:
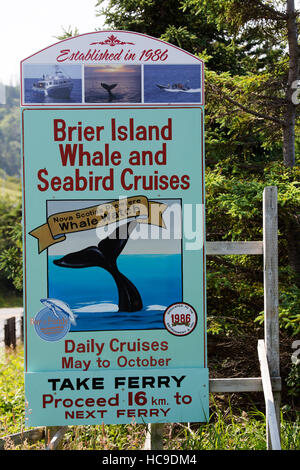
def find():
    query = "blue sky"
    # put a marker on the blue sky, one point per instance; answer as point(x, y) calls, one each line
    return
point(27, 26)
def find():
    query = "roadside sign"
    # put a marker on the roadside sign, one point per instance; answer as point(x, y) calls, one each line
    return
point(114, 255)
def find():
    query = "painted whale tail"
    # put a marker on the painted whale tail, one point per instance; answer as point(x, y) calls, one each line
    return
point(105, 256)
point(108, 87)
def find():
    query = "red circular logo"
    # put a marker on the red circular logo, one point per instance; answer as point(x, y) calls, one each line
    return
point(180, 319)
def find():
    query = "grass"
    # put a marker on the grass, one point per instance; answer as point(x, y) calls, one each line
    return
point(10, 298)
point(9, 187)
point(226, 429)
point(11, 392)
point(244, 432)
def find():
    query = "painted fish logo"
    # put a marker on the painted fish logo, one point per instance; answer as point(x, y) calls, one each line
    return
point(57, 306)
point(53, 322)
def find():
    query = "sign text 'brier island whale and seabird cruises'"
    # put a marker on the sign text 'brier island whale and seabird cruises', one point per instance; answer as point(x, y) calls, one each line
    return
point(114, 255)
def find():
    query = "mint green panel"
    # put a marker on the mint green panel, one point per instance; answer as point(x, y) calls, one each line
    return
point(94, 306)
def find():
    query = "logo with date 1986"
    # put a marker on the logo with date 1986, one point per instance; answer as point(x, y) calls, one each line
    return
point(180, 319)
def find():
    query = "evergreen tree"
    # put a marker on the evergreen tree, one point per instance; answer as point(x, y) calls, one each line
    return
point(267, 92)
point(177, 24)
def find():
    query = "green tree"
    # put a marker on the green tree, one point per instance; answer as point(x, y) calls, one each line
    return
point(173, 22)
point(11, 243)
point(266, 93)
point(252, 61)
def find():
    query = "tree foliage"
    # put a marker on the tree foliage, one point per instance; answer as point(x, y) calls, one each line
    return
point(247, 55)
point(175, 22)
point(11, 243)
point(234, 212)
point(266, 88)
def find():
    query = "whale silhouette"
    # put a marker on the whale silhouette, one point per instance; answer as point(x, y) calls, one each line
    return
point(105, 256)
point(56, 304)
point(108, 87)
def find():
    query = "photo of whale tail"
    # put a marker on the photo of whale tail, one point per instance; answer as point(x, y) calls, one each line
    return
point(108, 87)
point(105, 256)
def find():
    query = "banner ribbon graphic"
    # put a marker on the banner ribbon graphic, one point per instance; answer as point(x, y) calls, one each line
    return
point(58, 225)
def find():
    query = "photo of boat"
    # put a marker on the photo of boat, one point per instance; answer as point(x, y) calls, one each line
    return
point(172, 83)
point(175, 86)
point(58, 85)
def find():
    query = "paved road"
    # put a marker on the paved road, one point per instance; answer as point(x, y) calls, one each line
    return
point(6, 313)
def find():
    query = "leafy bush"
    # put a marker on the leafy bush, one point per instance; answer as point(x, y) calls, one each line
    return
point(11, 243)
point(12, 392)
point(234, 212)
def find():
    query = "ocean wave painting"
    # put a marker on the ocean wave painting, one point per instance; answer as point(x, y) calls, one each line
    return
point(93, 296)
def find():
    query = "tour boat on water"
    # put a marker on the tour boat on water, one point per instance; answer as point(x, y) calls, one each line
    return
point(175, 87)
point(58, 85)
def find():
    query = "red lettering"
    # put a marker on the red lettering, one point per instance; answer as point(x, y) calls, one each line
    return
point(185, 182)
point(43, 180)
point(68, 152)
point(63, 53)
point(56, 183)
point(59, 130)
point(124, 185)
point(47, 399)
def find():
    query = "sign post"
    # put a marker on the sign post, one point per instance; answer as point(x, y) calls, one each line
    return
point(114, 255)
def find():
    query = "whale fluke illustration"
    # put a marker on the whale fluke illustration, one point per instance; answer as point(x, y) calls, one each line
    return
point(55, 304)
point(105, 256)
point(108, 87)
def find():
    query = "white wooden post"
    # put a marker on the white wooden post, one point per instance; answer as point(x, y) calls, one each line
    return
point(53, 437)
point(271, 322)
point(271, 418)
point(154, 437)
